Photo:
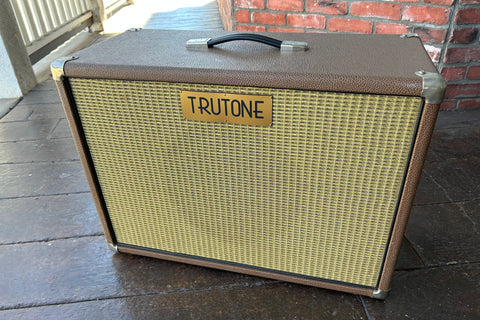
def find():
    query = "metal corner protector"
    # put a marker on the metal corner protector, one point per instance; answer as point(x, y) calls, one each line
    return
point(409, 35)
point(380, 294)
point(433, 86)
point(57, 67)
point(112, 247)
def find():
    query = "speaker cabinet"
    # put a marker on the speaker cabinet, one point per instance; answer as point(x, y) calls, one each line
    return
point(298, 164)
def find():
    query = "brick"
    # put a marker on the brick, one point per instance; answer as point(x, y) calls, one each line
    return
point(251, 4)
point(390, 28)
point(426, 14)
point(463, 2)
point(268, 18)
point(431, 35)
point(377, 10)
point(462, 54)
point(286, 5)
point(462, 90)
point(249, 27)
point(276, 29)
point(464, 35)
point(453, 73)
point(350, 25)
point(440, 2)
point(405, 0)
point(306, 21)
point(242, 16)
point(327, 7)
point(448, 104)
point(225, 11)
point(469, 103)
point(473, 73)
point(433, 52)
point(467, 16)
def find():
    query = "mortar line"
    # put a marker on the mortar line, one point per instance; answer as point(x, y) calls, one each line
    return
point(30, 120)
point(419, 256)
point(458, 202)
point(164, 292)
point(45, 195)
point(31, 140)
point(462, 210)
point(365, 309)
point(41, 162)
point(53, 129)
point(52, 239)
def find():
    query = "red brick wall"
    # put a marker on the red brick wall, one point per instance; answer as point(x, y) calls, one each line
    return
point(225, 9)
point(460, 63)
point(449, 30)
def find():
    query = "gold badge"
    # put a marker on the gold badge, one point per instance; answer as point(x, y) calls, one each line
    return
point(224, 107)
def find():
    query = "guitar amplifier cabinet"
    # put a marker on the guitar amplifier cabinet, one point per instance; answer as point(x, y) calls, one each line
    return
point(293, 159)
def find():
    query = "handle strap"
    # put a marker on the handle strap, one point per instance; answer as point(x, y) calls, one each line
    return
point(206, 43)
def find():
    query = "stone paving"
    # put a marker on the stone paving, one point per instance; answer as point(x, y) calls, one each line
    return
point(54, 262)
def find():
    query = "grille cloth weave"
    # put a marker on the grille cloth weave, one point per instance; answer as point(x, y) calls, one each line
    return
point(314, 194)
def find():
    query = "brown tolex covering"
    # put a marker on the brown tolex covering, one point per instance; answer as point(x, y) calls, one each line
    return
point(88, 168)
point(333, 62)
point(425, 130)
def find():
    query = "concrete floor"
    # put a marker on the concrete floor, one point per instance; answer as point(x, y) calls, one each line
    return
point(55, 265)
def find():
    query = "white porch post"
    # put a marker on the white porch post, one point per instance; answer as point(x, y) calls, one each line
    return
point(16, 73)
point(98, 11)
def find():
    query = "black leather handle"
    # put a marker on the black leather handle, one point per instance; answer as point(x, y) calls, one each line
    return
point(206, 43)
point(245, 36)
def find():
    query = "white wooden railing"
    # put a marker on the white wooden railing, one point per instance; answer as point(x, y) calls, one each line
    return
point(31, 29)
point(41, 22)
point(37, 18)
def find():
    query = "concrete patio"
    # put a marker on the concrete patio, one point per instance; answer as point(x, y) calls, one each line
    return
point(54, 261)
